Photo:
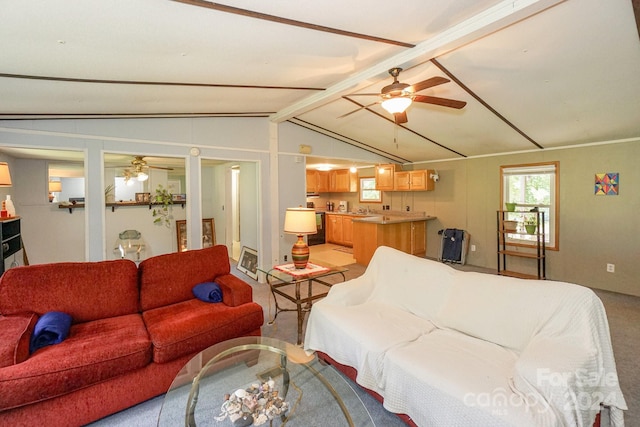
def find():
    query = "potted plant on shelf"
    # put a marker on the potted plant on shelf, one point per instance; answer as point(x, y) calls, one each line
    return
point(530, 224)
point(164, 200)
point(109, 196)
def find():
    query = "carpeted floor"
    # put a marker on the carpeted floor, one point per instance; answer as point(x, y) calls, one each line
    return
point(623, 313)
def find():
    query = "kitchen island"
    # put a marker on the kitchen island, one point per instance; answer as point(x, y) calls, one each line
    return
point(407, 233)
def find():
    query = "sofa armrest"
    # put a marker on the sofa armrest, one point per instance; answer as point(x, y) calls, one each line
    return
point(15, 335)
point(570, 377)
point(352, 292)
point(235, 291)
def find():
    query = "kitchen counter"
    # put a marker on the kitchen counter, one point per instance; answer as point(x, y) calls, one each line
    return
point(406, 232)
point(392, 219)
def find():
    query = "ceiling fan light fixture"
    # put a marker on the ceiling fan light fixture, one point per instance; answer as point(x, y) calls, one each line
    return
point(396, 105)
point(142, 176)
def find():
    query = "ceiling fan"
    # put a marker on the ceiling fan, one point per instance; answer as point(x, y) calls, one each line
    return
point(397, 97)
point(137, 170)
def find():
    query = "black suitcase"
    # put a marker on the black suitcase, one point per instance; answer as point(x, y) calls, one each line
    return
point(454, 245)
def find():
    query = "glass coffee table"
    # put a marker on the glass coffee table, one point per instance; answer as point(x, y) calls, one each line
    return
point(252, 381)
point(285, 281)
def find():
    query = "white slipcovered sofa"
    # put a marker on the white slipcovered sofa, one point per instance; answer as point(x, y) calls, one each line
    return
point(454, 348)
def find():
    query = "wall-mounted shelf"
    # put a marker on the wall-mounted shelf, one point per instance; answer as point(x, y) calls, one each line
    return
point(114, 205)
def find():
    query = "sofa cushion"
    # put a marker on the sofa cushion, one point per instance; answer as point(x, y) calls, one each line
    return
point(94, 351)
point(415, 284)
point(524, 307)
point(15, 334)
point(84, 290)
point(191, 326)
point(361, 335)
point(168, 279)
point(464, 379)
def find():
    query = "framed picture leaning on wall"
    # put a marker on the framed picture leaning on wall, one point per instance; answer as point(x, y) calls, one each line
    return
point(208, 233)
point(248, 262)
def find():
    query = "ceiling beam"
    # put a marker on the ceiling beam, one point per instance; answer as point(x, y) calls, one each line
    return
point(483, 102)
point(364, 107)
point(502, 15)
point(280, 20)
point(636, 12)
point(150, 83)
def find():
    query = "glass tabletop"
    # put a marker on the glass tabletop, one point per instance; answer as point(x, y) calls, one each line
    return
point(252, 381)
point(314, 270)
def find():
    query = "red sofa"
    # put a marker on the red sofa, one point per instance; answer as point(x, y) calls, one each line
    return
point(133, 329)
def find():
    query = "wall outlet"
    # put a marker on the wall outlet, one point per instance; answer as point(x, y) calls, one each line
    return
point(611, 268)
point(473, 248)
point(285, 258)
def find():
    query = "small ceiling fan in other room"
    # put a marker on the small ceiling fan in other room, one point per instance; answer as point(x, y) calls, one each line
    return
point(138, 169)
point(397, 97)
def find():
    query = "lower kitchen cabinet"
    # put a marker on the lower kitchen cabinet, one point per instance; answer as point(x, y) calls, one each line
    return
point(339, 229)
point(407, 236)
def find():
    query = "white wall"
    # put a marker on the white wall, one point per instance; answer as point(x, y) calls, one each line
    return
point(88, 234)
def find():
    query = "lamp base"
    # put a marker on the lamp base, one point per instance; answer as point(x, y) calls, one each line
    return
point(300, 253)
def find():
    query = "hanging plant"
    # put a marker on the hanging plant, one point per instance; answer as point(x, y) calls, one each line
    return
point(163, 200)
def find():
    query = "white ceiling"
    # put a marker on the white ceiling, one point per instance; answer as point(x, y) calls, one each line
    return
point(534, 74)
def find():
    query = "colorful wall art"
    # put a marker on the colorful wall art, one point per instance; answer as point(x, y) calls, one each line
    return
point(607, 184)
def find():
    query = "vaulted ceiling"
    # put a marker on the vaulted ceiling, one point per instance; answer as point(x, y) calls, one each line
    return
point(533, 74)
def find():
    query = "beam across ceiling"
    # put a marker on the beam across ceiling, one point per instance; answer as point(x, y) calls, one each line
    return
point(503, 14)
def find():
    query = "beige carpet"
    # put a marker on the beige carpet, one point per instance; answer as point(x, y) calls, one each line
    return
point(623, 313)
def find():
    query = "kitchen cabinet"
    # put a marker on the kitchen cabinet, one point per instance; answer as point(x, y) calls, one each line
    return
point(417, 180)
point(339, 229)
point(317, 181)
point(343, 181)
point(408, 236)
point(384, 177)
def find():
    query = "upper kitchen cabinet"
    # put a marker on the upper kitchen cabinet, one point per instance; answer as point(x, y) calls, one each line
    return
point(334, 181)
point(417, 180)
point(343, 181)
point(317, 181)
point(384, 177)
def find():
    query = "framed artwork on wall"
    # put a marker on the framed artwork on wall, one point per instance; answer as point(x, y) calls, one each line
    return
point(208, 233)
point(248, 262)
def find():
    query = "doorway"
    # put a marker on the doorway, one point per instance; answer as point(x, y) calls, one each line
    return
point(233, 214)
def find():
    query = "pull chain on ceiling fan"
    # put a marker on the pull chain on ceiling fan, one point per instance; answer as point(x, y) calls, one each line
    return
point(397, 97)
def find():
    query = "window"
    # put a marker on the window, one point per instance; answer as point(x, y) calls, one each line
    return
point(532, 186)
point(368, 192)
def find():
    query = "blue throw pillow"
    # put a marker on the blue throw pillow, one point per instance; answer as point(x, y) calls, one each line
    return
point(52, 328)
point(208, 292)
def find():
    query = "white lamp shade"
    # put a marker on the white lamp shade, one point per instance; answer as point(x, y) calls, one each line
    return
point(55, 186)
point(5, 175)
point(396, 105)
point(300, 221)
point(142, 176)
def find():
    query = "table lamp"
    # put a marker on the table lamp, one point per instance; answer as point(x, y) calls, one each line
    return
point(54, 187)
point(300, 221)
point(5, 175)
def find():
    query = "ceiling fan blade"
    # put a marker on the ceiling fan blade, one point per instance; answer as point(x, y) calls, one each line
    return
point(159, 167)
point(358, 109)
point(445, 102)
point(400, 117)
point(433, 81)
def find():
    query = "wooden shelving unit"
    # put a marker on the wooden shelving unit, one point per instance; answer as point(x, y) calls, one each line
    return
point(534, 250)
